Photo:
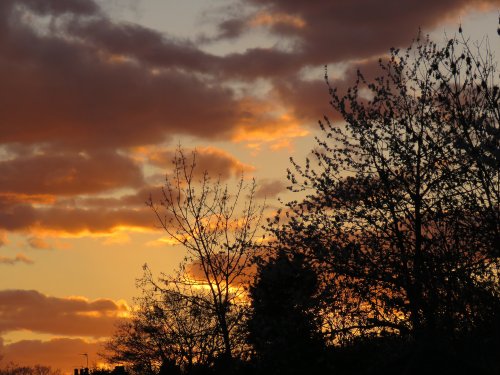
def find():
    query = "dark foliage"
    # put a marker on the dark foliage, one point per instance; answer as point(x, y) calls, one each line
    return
point(401, 214)
point(283, 328)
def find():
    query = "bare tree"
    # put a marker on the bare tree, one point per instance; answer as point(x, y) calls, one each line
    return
point(166, 328)
point(195, 316)
point(219, 231)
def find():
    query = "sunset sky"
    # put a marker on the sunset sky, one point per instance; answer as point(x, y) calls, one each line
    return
point(96, 95)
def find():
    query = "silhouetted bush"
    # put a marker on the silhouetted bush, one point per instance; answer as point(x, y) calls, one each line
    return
point(283, 328)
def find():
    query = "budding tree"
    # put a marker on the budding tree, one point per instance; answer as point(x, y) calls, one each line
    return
point(401, 215)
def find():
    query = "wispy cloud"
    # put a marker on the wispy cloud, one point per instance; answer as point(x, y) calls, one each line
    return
point(19, 258)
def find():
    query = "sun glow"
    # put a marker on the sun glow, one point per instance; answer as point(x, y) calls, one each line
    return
point(271, 19)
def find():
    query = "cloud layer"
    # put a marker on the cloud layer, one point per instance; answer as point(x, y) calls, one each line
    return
point(322, 32)
point(80, 90)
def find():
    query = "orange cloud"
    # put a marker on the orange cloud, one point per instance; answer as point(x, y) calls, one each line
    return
point(80, 216)
point(270, 19)
point(81, 222)
point(217, 162)
point(38, 177)
point(72, 316)
point(39, 243)
point(3, 238)
point(267, 122)
point(275, 132)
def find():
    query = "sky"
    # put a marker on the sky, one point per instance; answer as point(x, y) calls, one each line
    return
point(96, 95)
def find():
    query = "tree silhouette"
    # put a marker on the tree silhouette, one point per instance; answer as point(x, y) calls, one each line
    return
point(401, 214)
point(194, 319)
point(166, 330)
point(283, 328)
point(218, 229)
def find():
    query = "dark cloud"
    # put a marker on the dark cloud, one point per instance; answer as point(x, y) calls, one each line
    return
point(232, 28)
point(73, 220)
point(270, 189)
point(331, 31)
point(144, 45)
point(16, 216)
point(95, 220)
point(68, 173)
point(77, 215)
point(135, 200)
point(72, 217)
point(57, 7)
point(309, 99)
point(100, 90)
point(34, 311)
point(79, 89)
point(262, 62)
